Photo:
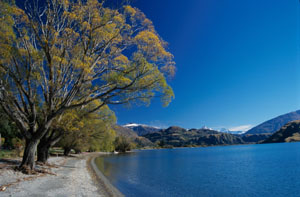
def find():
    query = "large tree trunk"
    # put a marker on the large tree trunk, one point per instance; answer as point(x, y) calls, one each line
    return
point(77, 151)
point(43, 149)
point(45, 144)
point(28, 163)
point(67, 151)
point(43, 153)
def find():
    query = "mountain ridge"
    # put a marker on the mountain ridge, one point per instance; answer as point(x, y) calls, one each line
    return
point(141, 129)
point(290, 132)
point(175, 136)
point(274, 124)
point(132, 136)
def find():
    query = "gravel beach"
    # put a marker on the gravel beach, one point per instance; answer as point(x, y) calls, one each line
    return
point(71, 176)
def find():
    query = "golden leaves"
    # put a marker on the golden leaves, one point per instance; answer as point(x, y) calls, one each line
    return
point(65, 3)
point(147, 37)
point(70, 15)
point(56, 58)
point(119, 19)
point(147, 22)
point(122, 59)
point(83, 129)
point(150, 43)
point(68, 31)
point(108, 46)
point(86, 25)
point(129, 10)
point(117, 78)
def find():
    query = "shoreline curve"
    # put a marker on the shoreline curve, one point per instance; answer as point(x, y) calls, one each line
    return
point(102, 181)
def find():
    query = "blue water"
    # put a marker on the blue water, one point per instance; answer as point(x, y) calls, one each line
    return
point(226, 171)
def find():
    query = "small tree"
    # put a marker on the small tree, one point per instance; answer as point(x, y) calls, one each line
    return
point(8, 130)
point(65, 54)
point(122, 144)
point(106, 143)
point(85, 132)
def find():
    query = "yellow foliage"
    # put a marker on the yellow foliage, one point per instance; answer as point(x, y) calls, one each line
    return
point(70, 15)
point(149, 42)
point(130, 10)
point(147, 22)
point(109, 48)
point(56, 58)
point(122, 59)
point(124, 80)
point(147, 37)
point(85, 131)
point(66, 3)
point(86, 25)
point(119, 19)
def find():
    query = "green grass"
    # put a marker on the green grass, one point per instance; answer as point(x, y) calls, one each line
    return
point(58, 151)
point(8, 154)
point(13, 153)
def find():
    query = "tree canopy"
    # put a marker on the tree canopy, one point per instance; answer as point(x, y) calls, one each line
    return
point(90, 132)
point(65, 54)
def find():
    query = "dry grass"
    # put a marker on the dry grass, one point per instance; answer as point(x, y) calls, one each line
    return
point(294, 138)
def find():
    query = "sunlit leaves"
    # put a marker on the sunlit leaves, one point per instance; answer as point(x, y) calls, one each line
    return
point(122, 59)
point(88, 131)
point(130, 10)
point(73, 52)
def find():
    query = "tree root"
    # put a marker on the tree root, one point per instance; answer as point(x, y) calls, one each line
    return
point(25, 170)
point(29, 171)
point(46, 164)
point(45, 172)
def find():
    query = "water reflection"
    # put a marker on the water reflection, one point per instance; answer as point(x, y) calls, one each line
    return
point(250, 170)
point(110, 167)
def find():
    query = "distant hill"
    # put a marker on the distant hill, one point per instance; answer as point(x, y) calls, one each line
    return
point(275, 124)
point(255, 138)
point(141, 129)
point(218, 139)
point(126, 132)
point(288, 133)
point(133, 137)
point(180, 137)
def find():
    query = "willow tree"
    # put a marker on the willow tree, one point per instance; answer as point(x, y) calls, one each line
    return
point(85, 133)
point(65, 54)
point(79, 128)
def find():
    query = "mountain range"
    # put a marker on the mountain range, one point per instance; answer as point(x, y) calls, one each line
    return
point(279, 129)
point(273, 125)
point(132, 136)
point(288, 133)
point(179, 137)
point(141, 129)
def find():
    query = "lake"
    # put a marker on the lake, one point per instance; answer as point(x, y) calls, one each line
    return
point(225, 171)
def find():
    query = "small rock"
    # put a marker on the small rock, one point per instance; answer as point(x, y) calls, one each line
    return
point(3, 188)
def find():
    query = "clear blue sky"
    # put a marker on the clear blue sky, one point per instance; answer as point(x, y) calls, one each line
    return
point(237, 62)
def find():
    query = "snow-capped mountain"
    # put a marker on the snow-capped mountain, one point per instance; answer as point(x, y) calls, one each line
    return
point(142, 129)
point(207, 128)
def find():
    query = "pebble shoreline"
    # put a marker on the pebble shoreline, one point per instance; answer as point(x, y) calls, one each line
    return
point(73, 176)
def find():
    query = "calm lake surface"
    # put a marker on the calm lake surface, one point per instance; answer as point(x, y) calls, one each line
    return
point(228, 171)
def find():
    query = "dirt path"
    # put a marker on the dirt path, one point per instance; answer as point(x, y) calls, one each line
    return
point(71, 179)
